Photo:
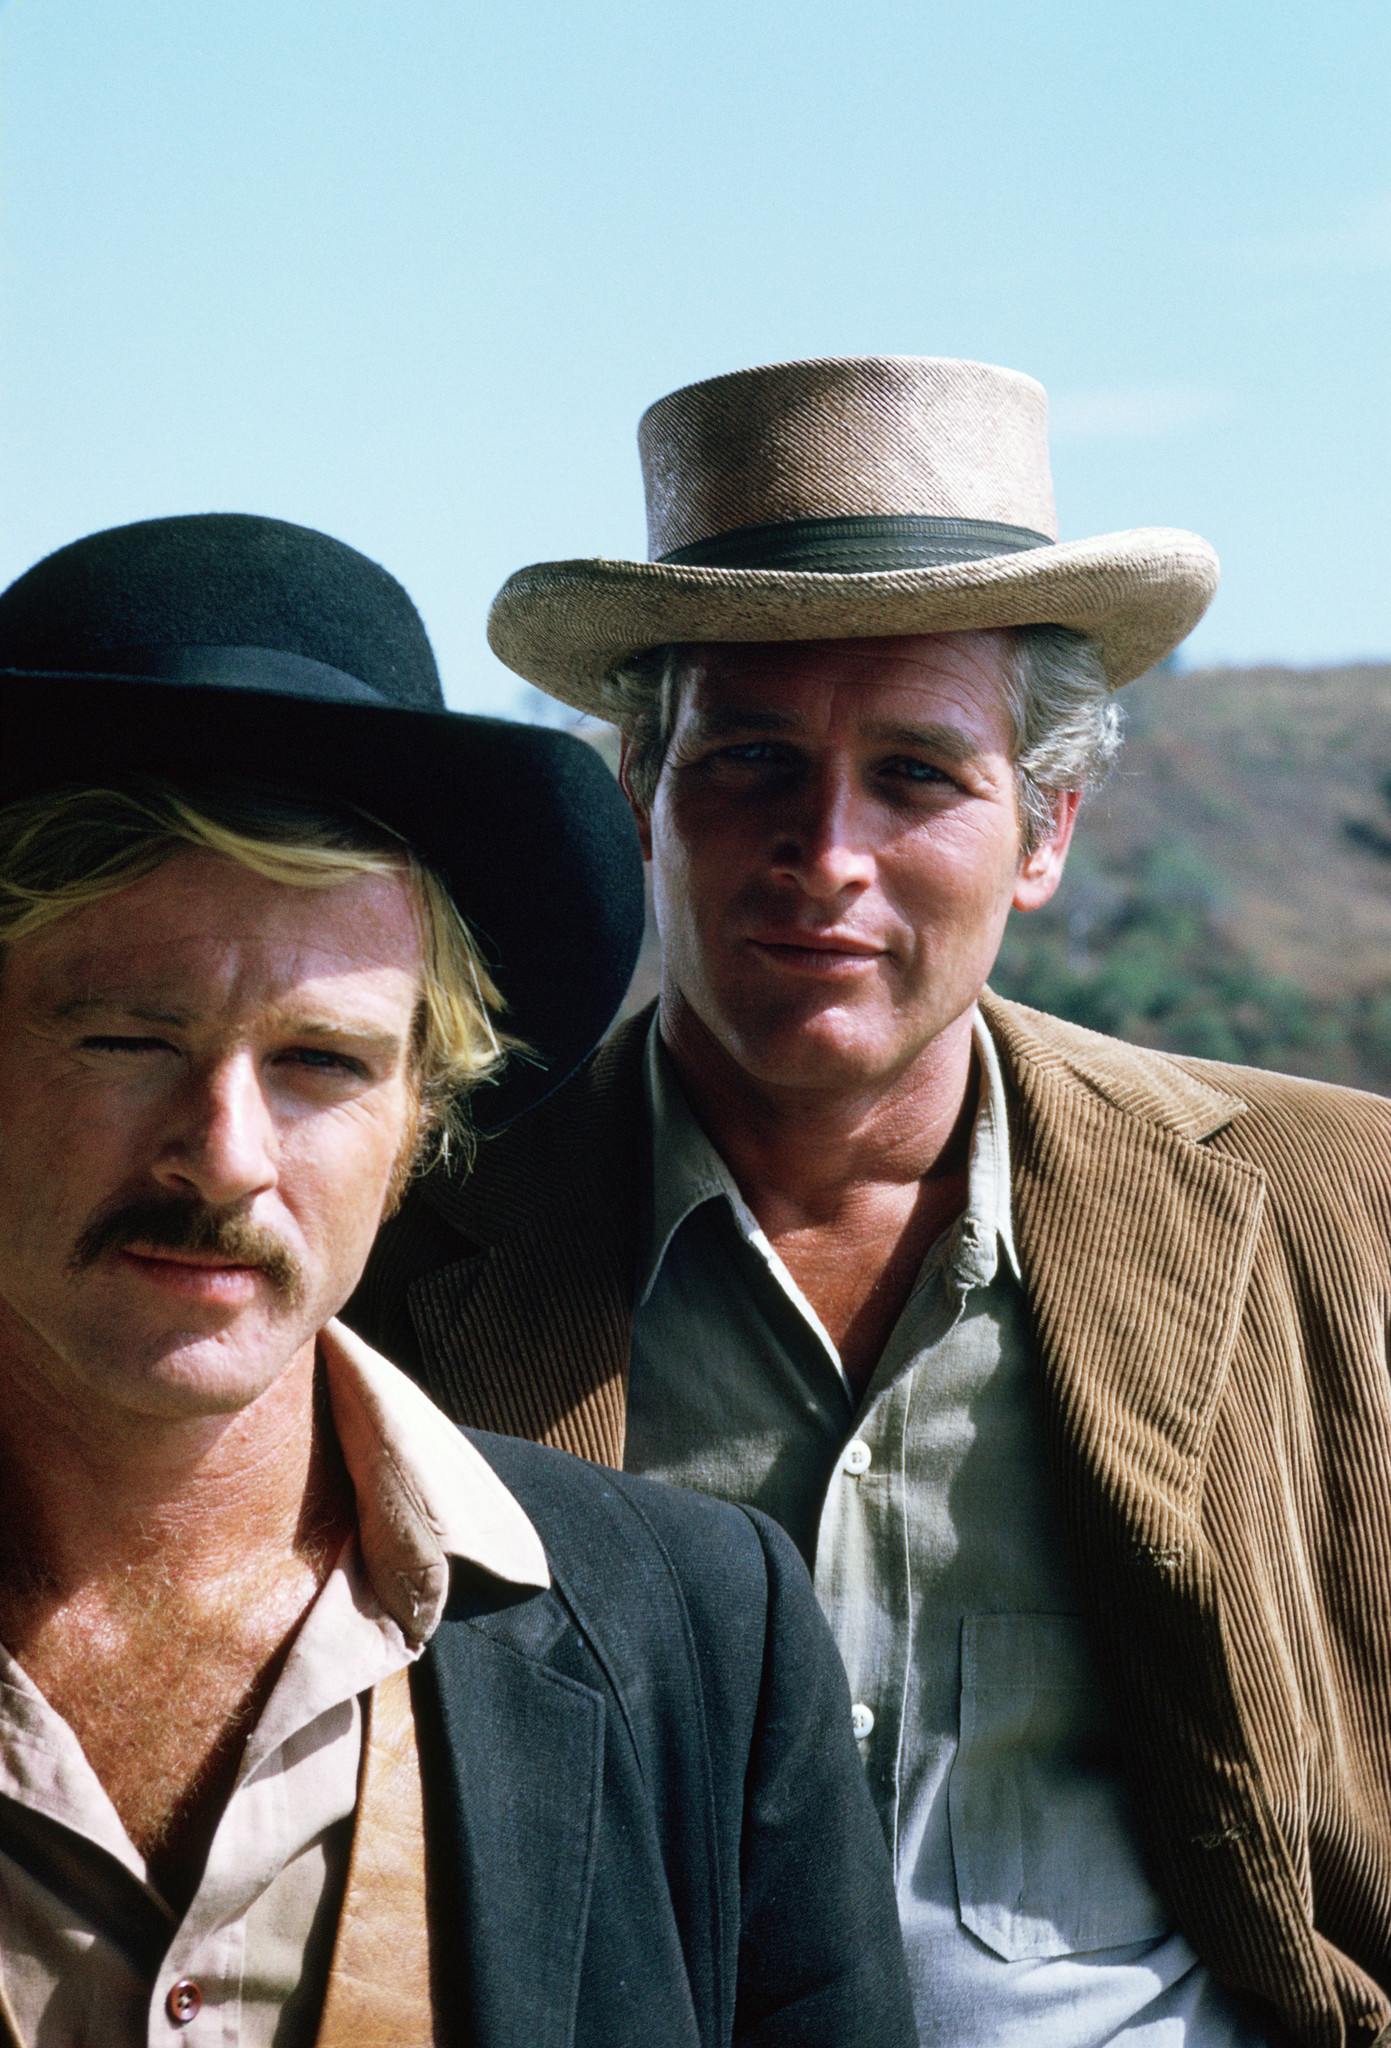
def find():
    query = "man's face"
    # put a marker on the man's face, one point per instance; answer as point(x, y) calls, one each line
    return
point(204, 1087)
point(835, 841)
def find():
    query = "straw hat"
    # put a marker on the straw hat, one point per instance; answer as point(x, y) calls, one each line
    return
point(846, 498)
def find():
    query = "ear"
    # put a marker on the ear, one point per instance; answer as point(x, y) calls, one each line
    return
point(642, 817)
point(1041, 871)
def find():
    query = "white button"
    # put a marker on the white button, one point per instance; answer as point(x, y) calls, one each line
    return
point(858, 1457)
point(861, 1720)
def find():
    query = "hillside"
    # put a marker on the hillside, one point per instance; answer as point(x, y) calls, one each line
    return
point(1229, 894)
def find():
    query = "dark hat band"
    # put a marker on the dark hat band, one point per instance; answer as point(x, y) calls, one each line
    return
point(244, 668)
point(856, 547)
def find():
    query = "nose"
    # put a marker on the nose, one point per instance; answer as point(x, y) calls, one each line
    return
point(221, 1142)
point(823, 842)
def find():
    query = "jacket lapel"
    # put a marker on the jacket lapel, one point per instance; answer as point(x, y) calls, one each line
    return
point(512, 1756)
point(1136, 1241)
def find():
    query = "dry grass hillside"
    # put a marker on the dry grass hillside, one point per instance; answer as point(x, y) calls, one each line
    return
point(1230, 893)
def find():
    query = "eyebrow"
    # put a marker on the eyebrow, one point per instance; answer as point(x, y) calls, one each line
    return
point(363, 1037)
point(949, 740)
point(721, 721)
point(142, 1013)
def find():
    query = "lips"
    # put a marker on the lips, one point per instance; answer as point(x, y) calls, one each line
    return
point(196, 1276)
point(815, 955)
point(790, 938)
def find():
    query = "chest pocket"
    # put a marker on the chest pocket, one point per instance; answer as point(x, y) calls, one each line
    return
point(1046, 1855)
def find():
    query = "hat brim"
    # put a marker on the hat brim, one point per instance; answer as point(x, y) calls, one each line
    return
point(566, 626)
point(525, 824)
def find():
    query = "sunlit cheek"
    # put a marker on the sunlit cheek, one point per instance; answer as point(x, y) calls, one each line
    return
point(338, 1169)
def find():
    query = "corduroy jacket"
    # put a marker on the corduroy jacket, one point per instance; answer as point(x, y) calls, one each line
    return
point(1206, 1252)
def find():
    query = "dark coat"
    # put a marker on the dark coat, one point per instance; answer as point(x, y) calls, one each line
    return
point(645, 1813)
point(1207, 1256)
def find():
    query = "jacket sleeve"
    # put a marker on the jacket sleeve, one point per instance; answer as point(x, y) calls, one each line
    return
point(820, 1956)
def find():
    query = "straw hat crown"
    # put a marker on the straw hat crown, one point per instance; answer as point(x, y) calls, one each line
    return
point(848, 498)
point(874, 436)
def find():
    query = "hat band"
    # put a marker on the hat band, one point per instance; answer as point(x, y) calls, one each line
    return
point(856, 547)
point(245, 668)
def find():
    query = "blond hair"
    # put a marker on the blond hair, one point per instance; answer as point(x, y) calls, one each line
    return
point(67, 848)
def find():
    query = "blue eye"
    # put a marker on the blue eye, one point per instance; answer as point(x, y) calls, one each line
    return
point(324, 1062)
point(915, 771)
point(751, 750)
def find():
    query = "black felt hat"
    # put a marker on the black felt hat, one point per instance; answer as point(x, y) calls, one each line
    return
point(227, 646)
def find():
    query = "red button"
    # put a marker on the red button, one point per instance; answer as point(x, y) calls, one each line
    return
point(184, 2003)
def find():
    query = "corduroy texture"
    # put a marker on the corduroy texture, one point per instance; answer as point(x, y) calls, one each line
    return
point(552, 1222)
point(848, 437)
point(1207, 1253)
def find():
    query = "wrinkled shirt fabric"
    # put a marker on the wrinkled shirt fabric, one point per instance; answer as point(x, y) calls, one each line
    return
point(90, 1951)
point(927, 1515)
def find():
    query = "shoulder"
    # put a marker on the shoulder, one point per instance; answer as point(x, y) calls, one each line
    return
point(1174, 1088)
point(1312, 1140)
point(591, 1130)
point(642, 1564)
point(599, 1526)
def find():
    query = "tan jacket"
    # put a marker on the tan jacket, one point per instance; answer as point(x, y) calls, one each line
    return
point(1207, 1253)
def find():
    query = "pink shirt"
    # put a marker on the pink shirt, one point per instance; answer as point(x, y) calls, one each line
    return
point(91, 1953)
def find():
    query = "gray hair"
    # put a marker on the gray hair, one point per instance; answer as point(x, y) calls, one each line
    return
point(1067, 725)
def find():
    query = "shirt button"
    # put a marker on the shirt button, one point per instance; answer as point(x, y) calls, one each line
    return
point(184, 2003)
point(858, 1458)
point(861, 1720)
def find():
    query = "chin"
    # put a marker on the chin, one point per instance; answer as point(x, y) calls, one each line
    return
point(184, 1374)
point(824, 1055)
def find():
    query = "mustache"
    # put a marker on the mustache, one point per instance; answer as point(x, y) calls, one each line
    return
point(170, 1225)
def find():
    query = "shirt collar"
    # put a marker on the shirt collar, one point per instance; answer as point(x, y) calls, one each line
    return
point(987, 1221)
point(687, 1170)
point(424, 1494)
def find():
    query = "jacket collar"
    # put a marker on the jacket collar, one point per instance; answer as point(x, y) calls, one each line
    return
point(1133, 1079)
point(1136, 1239)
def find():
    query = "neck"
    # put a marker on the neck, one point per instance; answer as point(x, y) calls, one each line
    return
point(95, 1493)
point(815, 1144)
point(851, 1184)
point(153, 1574)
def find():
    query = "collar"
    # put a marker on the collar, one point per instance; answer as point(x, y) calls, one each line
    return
point(1166, 1090)
point(687, 1171)
point(424, 1494)
point(987, 1221)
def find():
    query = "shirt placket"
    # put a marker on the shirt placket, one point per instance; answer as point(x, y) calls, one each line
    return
point(196, 1999)
point(863, 1583)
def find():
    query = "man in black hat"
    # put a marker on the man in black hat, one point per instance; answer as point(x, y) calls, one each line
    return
point(320, 1722)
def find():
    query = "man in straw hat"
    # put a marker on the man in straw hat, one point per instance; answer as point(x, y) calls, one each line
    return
point(277, 1643)
point(1063, 1361)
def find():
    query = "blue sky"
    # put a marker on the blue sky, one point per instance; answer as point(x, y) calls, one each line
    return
point(410, 274)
